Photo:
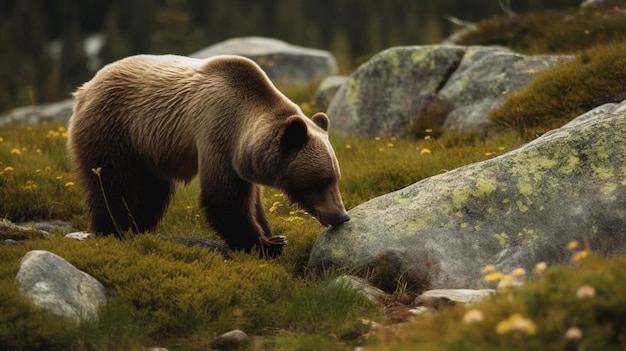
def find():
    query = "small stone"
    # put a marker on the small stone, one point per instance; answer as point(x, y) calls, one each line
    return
point(54, 284)
point(442, 297)
point(361, 286)
point(420, 311)
point(80, 236)
point(230, 340)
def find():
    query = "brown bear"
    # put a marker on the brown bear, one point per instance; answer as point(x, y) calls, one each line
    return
point(146, 122)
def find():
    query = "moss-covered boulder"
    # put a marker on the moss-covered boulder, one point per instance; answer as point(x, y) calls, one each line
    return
point(512, 211)
point(406, 90)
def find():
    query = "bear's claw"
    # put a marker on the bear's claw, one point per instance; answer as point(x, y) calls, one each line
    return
point(274, 245)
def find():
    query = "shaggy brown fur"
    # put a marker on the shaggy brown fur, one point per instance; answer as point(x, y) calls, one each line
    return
point(150, 121)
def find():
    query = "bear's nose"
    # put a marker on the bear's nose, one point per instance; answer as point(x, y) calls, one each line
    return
point(343, 219)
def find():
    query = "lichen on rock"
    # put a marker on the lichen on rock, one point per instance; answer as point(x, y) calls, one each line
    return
point(514, 210)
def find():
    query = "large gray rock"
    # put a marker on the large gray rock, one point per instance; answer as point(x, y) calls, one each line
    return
point(447, 86)
point(52, 112)
point(54, 284)
point(283, 62)
point(327, 89)
point(515, 210)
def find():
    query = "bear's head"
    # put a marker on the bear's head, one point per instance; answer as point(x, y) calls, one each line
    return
point(312, 174)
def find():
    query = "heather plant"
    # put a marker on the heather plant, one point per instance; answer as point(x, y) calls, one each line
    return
point(575, 306)
point(561, 93)
point(554, 31)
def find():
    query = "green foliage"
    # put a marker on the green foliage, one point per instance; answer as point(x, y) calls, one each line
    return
point(162, 291)
point(300, 342)
point(552, 31)
point(35, 178)
point(590, 296)
point(560, 93)
point(329, 307)
point(430, 119)
point(378, 166)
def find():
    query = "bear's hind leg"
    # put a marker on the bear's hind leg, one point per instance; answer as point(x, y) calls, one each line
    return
point(154, 197)
point(111, 198)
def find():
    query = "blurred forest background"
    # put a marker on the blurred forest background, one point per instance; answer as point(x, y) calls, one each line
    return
point(46, 54)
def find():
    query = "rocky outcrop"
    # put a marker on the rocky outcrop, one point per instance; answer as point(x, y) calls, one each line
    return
point(54, 284)
point(283, 62)
point(447, 86)
point(327, 89)
point(53, 112)
point(514, 210)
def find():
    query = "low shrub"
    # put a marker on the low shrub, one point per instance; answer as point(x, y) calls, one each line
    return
point(555, 31)
point(581, 306)
point(563, 92)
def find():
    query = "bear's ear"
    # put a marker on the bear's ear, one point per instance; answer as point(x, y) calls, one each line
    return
point(294, 134)
point(321, 120)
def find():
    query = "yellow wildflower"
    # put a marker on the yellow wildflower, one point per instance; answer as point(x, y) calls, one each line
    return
point(9, 169)
point(489, 268)
point(425, 152)
point(1, 139)
point(516, 322)
point(579, 256)
point(30, 185)
point(573, 333)
point(494, 277)
point(97, 170)
point(585, 292)
point(69, 184)
point(473, 316)
point(16, 151)
point(572, 245)
point(506, 282)
point(274, 207)
point(540, 268)
point(518, 272)
point(531, 72)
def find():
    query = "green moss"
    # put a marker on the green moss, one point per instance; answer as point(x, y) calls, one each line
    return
point(563, 92)
point(35, 178)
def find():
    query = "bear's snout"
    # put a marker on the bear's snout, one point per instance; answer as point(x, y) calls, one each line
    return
point(343, 219)
point(339, 220)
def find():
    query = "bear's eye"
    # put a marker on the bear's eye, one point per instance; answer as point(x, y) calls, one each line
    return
point(327, 181)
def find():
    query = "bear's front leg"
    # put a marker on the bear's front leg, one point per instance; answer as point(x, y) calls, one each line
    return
point(272, 245)
point(234, 211)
